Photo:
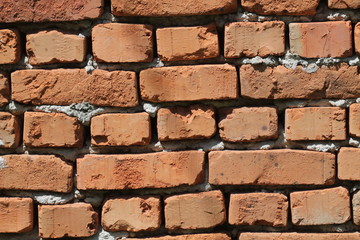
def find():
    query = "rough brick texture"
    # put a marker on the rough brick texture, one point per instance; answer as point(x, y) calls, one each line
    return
point(344, 4)
point(356, 207)
point(204, 236)
point(16, 215)
point(4, 89)
point(299, 236)
point(348, 164)
point(10, 50)
point(10, 130)
point(354, 120)
point(357, 37)
point(278, 7)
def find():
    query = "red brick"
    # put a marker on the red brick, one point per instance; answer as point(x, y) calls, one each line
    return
point(195, 210)
point(279, 82)
point(193, 122)
point(109, 130)
point(10, 50)
point(132, 214)
point(299, 236)
point(16, 215)
point(136, 42)
point(348, 163)
point(47, 47)
point(68, 220)
point(289, 7)
point(10, 130)
point(67, 86)
point(189, 83)
point(248, 124)
point(354, 120)
point(203, 236)
point(321, 39)
point(317, 207)
point(171, 7)
point(135, 171)
point(4, 90)
point(258, 209)
point(271, 167)
point(356, 207)
point(35, 172)
point(344, 4)
point(357, 37)
point(315, 123)
point(44, 10)
point(187, 43)
point(252, 39)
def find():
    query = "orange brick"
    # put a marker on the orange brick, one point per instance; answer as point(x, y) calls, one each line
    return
point(315, 123)
point(67, 86)
point(35, 172)
point(16, 215)
point(317, 207)
point(321, 39)
point(109, 130)
point(252, 39)
point(136, 42)
point(68, 220)
point(271, 167)
point(187, 43)
point(47, 47)
point(10, 130)
point(135, 171)
point(195, 210)
point(189, 83)
point(289, 7)
point(299, 236)
point(204, 236)
point(4, 90)
point(349, 164)
point(357, 37)
point(258, 209)
point(248, 124)
point(356, 207)
point(52, 130)
point(132, 214)
point(10, 50)
point(354, 120)
point(344, 4)
point(193, 122)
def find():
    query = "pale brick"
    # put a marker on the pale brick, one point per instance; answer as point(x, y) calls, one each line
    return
point(354, 120)
point(10, 50)
point(299, 236)
point(279, 7)
point(10, 130)
point(4, 90)
point(348, 163)
point(356, 207)
point(203, 236)
point(16, 215)
point(344, 4)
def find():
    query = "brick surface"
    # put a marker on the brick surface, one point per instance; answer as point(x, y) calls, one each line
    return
point(52, 130)
point(132, 214)
point(278, 7)
point(271, 167)
point(35, 172)
point(10, 130)
point(315, 123)
point(67, 86)
point(348, 162)
point(248, 124)
point(356, 207)
point(194, 211)
point(111, 130)
point(193, 122)
point(317, 207)
point(357, 37)
point(44, 10)
point(68, 220)
point(204, 236)
point(187, 43)
point(354, 120)
point(171, 7)
point(299, 236)
point(4, 90)
point(189, 83)
point(252, 39)
point(16, 215)
point(10, 50)
point(258, 209)
point(136, 42)
point(344, 4)
point(322, 39)
point(135, 171)
point(47, 47)
point(283, 83)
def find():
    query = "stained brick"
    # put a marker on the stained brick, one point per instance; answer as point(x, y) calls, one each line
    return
point(4, 90)
point(289, 7)
point(344, 4)
point(10, 130)
point(10, 50)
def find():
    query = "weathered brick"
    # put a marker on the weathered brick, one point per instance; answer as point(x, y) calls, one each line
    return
point(134, 171)
point(252, 39)
point(357, 37)
point(271, 167)
point(299, 236)
point(132, 214)
point(317, 207)
point(189, 83)
point(195, 210)
point(10, 50)
point(171, 7)
point(35, 172)
point(278, 7)
point(258, 209)
point(203, 236)
point(16, 215)
point(67, 86)
point(315, 123)
point(348, 163)
point(248, 124)
point(52, 130)
point(279, 82)
point(187, 43)
point(193, 122)
point(111, 130)
point(10, 130)
point(354, 120)
point(356, 207)
point(68, 220)
point(321, 39)
point(44, 10)
point(136, 42)
point(47, 47)
point(4, 90)
point(343, 4)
